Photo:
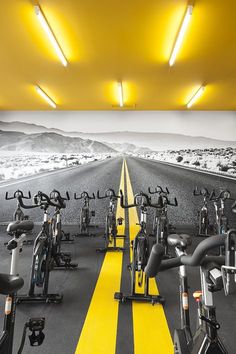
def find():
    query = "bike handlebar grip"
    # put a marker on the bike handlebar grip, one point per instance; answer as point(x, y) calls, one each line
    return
point(150, 191)
point(76, 197)
point(176, 202)
point(201, 250)
point(170, 263)
point(26, 206)
point(28, 197)
point(154, 260)
point(110, 190)
point(6, 197)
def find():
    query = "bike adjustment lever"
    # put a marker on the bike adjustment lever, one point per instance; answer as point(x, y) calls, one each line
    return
point(213, 323)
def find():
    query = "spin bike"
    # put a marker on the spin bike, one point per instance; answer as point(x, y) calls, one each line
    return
point(206, 339)
point(140, 254)
point(62, 260)
point(204, 227)
point(161, 226)
point(18, 229)
point(42, 260)
point(9, 285)
point(111, 224)
point(221, 220)
point(85, 213)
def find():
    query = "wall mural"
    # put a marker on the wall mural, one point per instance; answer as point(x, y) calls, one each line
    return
point(172, 157)
point(27, 149)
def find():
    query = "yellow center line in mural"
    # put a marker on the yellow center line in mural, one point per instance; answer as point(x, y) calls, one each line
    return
point(151, 332)
point(99, 332)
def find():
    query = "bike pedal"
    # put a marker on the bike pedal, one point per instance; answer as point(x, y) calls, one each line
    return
point(36, 326)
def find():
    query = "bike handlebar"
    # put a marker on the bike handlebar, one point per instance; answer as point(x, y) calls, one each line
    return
point(109, 193)
point(156, 262)
point(159, 190)
point(18, 194)
point(223, 195)
point(84, 195)
point(43, 199)
point(40, 199)
point(203, 191)
point(168, 202)
point(162, 198)
point(145, 201)
point(136, 203)
point(55, 195)
point(26, 206)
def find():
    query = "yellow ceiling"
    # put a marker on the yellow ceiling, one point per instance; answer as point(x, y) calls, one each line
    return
point(118, 40)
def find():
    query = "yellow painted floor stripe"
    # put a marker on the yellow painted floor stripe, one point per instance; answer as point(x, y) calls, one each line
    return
point(151, 331)
point(99, 332)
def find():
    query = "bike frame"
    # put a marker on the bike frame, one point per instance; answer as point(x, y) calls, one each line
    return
point(203, 223)
point(111, 224)
point(42, 246)
point(85, 214)
point(42, 252)
point(221, 219)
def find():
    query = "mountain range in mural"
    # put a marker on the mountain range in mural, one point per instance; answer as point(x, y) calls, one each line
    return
point(25, 137)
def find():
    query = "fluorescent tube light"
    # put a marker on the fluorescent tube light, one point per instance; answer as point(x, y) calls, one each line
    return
point(45, 96)
point(196, 96)
point(51, 37)
point(120, 94)
point(181, 34)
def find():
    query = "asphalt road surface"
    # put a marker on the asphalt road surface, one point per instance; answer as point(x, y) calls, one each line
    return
point(64, 321)
point(181, 183)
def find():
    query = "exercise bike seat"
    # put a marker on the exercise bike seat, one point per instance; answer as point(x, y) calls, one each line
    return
point(20, 226)
point(179, 240)
point(9, 284)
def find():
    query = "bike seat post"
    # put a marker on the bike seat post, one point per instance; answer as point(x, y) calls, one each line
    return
point(16, 243)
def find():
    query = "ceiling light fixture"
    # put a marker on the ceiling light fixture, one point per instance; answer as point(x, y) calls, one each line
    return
point(196, 96)
point(51, 36)
point(45, 96)
point(120, 94)
point(181, 34)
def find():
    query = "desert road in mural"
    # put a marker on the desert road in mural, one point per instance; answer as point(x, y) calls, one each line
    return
point(105, 174)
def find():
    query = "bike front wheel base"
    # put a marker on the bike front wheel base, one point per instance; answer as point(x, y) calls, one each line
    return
point(110, 249)
point(152, 299)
